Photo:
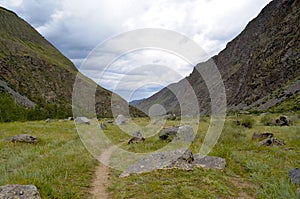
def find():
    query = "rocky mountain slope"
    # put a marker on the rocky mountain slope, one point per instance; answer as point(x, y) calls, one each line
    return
point(36, 75)
point(260, 67)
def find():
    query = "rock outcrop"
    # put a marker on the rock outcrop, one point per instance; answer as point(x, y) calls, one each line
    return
point(19, 192)
point(23, 138)
point(260, 67)
point(179, 158)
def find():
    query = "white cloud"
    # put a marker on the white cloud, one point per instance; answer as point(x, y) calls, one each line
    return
point(76, 27)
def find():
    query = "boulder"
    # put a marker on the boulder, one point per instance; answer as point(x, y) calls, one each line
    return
point(209, 162)
point(136, 138)
point(70, 118)
point(180, 133)
point(48, 120)
point(179, 158)
point(168, 133)
point(261, 136)
point(283, 121)
point(82, 120)
point(170, 117)
point(19, 192)
point(271, 142)
point(23, 138)
point(121, 119)
point(294, 175)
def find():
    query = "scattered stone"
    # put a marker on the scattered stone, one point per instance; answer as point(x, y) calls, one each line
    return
point(70, 118)
point(82, 120)
point(271, 142)
point(283, 121)
point(136, 138)
point(19, 192)
point(170, 117)
point(168, 133)
point(180, 158)
point(180, 133)
point(23, 138)
point(209, 162)
point(294, 175)
point(103, 126)
point(48, 120)
point(261, 136)
point(121, 119)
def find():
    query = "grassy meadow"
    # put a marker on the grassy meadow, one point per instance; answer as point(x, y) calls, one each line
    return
point(61, 167)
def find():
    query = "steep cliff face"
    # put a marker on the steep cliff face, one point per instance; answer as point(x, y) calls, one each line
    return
point(35, 73)
point(260, 62)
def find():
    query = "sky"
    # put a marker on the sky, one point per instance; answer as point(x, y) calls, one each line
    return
point(78, 27)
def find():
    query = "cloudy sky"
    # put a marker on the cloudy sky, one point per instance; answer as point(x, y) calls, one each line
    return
point(76, 27)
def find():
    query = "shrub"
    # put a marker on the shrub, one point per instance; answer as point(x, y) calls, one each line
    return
point(267, 120)
point(246, 121)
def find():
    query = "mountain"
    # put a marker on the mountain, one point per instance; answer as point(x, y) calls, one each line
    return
point(134, 102)
point(260, 68)
point(35, 78)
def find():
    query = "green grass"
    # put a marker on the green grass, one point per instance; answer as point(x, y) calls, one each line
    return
point(251, 171)
point(58, 164)
point(61, 167)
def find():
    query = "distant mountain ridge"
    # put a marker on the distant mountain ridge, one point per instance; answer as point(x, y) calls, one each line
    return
point(134, 102)
point(35, 74)
point(260, 67)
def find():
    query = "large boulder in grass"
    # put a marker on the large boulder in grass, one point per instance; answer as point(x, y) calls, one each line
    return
point(179, 133)
point(179, 158)
point(82, 120)
point(136, 138)
point(271, 142)
point(19, 192)
point(23, 138)
point(283, 121)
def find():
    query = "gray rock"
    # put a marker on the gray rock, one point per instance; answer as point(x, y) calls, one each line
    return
point(23, 138)
point(168, 133)
point(121, 119)
point(298, 192)
point(294, 175)
point(209, 162)
point(48, 120)
point(180, 133)
point(283, 121)
point(179, 158)
point(82, 120)
point(19, 192)
point(261, 136)
point(271, 142)
point(136, 138)
point(70, 118)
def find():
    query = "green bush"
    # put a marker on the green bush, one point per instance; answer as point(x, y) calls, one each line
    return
point(10, 111)
point(246, 121)
point(267, 120)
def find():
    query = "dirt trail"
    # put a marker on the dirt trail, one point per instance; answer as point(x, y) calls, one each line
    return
point(101, 180)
